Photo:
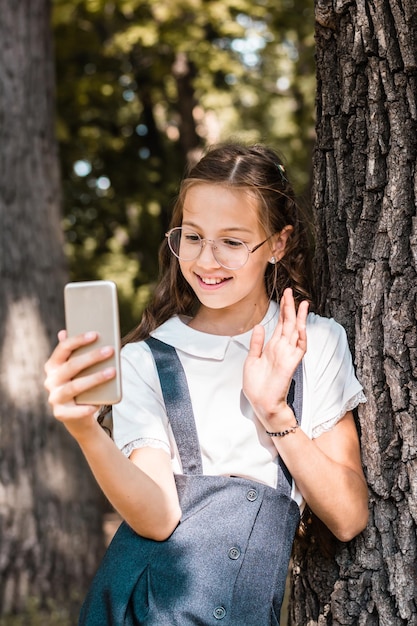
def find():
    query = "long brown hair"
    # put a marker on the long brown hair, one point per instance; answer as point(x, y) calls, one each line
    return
point(259, 170)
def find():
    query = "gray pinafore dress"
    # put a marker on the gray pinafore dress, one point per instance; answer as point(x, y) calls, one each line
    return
point(226, 562)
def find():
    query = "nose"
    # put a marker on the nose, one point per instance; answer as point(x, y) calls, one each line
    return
point(206, 256)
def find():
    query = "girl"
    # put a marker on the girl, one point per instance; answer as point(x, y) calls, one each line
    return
point(218, 444)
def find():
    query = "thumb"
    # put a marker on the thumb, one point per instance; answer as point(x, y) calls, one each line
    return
point(257, 341)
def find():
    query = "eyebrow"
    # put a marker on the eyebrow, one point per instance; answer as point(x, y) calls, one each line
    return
point(229, 229)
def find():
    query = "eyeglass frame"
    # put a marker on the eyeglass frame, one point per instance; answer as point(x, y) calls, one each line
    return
point(212, 242)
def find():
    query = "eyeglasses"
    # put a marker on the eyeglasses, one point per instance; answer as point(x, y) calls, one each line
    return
point(230, 253)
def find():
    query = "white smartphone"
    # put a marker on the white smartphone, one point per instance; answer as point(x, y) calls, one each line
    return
point(93, 306)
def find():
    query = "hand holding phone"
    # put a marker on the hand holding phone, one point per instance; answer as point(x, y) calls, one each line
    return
point(93, 306)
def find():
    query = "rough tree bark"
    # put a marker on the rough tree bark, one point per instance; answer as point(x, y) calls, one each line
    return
point(365, 199)
point(50, 525)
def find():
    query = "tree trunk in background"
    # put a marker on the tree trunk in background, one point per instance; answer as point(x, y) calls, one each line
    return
point(365, 204)
point(184, 72)
point(50, 522)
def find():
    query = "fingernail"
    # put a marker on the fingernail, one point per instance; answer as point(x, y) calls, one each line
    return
point(109, 372)
point(90, 335)
point(106, 351)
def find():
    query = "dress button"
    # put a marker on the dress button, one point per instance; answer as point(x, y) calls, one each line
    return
point(219, 612)
point(251, 495)
point(234, 553)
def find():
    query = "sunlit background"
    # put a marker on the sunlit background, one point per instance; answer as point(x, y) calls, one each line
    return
point(143, 87)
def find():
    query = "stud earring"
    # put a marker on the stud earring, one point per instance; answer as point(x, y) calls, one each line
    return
point(273, 260)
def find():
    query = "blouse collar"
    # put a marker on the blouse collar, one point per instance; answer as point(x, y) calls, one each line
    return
point(177, 333)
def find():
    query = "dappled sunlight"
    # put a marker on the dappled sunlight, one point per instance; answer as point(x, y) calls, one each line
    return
point(54, 471)
point(19, 497)
point(23, 353)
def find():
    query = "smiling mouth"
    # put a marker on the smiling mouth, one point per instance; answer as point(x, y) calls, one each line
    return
point(212, 281)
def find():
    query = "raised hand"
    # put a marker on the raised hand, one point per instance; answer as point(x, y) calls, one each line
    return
point(269, 369)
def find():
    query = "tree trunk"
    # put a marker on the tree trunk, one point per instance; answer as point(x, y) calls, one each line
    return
point(50, 523)
point(365, 204)
point(184, 72)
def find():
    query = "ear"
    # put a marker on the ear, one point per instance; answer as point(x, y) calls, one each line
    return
point(279, 243)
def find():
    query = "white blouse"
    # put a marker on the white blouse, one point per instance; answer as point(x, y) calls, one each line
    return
point(232, 440)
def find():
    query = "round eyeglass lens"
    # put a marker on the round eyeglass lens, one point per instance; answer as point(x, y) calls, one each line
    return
point(231, 253)
point(186, 245)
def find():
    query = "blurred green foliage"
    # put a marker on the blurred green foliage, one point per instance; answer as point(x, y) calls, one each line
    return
point(142, 87)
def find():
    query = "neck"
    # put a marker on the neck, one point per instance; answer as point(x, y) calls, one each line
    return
point(228, 322)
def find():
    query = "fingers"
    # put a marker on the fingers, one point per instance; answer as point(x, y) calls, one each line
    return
point(292, 323)
point(64, 373)
point(257, 341)
point(287, 305)
point(78, 362)
point(66, 412)
point(66, 391)
point(302, 324)
point(72, 355)
point(66, 346)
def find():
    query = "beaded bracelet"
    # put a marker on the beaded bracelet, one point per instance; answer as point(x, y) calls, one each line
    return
point(282, 433)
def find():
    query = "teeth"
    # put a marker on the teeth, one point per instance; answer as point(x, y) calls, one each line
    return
point(212, 281)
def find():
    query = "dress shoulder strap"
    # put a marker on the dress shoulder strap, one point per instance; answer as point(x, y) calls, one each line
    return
point(178, 404)
point(295, 401)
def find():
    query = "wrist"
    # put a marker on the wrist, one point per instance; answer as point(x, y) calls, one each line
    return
point(282, 433)
point(282, 424)
point(83, 429)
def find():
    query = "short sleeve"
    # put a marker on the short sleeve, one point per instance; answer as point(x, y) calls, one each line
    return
point(141, 414)
point(332, 384)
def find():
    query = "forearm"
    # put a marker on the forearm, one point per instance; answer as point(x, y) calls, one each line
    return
point(335, 493)
point(334, 489)
point(151, 510)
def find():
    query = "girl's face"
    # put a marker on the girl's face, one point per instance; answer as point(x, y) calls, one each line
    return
point(214, 211)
